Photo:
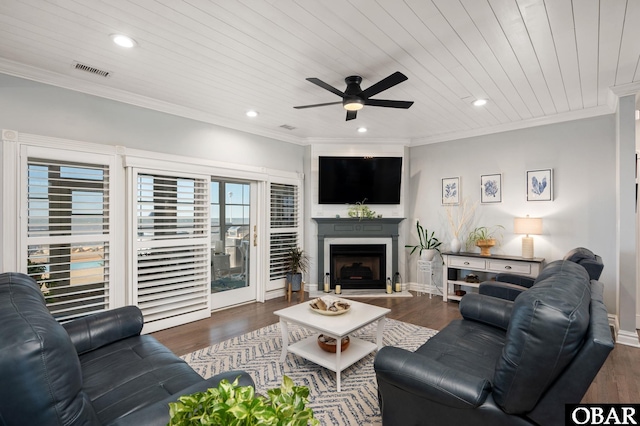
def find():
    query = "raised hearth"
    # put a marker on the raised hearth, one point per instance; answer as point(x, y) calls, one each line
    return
point(366, 251)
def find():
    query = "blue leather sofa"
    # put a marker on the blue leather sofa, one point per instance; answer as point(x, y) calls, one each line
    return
point(97, 370)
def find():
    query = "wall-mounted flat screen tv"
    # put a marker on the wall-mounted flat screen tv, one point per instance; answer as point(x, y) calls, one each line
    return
point(348, 180)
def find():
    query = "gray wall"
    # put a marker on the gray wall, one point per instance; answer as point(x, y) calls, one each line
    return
point(30, 107)
point(582, 213)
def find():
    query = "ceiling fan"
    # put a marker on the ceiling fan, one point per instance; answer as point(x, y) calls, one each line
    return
point(354, 98)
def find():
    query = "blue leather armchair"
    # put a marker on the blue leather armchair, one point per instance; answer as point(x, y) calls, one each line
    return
point(506, 362)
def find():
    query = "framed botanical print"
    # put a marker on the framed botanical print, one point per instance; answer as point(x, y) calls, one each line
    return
point(451, 191)
point(540, 185)
point(491, 188)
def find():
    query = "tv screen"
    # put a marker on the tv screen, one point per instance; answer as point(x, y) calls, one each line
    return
point(348, 180)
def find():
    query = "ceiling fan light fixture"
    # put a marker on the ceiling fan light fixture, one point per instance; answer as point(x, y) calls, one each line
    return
point(354, 104)
point(479, 102)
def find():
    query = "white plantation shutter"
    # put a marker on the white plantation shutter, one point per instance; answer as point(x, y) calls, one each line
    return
point(68, 234)
point(284, 226)
point(172, 248)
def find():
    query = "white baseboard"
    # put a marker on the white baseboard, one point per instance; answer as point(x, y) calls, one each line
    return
point(628, 338)
point(624, 337)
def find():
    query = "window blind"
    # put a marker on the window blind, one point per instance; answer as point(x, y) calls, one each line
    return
point(172, 249)
point(68, 235)
point(284, 224)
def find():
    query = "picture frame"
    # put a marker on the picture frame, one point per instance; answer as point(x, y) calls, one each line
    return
point(451, 191)
point(540, 185)
point(491, 188)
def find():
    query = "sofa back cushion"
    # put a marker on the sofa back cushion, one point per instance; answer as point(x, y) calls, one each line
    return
point(547, 329)
point(39, 366)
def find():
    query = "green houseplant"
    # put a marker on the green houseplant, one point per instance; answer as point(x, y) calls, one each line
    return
point(426, 242)
point(297, 264)
point(361, 211)
point(230, 404)
point(485, 238)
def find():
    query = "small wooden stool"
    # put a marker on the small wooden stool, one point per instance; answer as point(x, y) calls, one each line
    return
point(288, 291)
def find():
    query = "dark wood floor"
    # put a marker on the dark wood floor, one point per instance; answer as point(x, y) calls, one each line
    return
point(617, 382)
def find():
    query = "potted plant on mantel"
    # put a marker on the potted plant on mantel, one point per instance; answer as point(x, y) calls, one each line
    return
point(485, 238)
point(427, 243)
point(298, 263)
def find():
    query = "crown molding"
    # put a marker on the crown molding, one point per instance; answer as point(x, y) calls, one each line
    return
point(358, 141)
point(94, 88)
point(518, 125)
point(625, 89)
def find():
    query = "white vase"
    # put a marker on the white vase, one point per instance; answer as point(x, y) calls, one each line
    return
point(428, 254)
point(455, 245)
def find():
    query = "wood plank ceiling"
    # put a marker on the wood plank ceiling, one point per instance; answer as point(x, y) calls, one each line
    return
point(535, 61)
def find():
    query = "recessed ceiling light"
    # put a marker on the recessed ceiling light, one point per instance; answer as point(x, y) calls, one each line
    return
point(123, 40)
point(362, 129)
point(479, 102)
point(252, 113)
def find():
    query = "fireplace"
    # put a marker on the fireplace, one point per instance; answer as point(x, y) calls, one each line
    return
point(377, 243)
point(358, 266)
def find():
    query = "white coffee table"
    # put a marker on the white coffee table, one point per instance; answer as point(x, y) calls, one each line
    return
point(337, 326)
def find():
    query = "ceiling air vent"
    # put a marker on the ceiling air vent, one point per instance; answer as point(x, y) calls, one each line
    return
point(90, 69)
point(286, 126)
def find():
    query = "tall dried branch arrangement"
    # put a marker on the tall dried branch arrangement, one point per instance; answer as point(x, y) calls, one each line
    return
point(460, 215)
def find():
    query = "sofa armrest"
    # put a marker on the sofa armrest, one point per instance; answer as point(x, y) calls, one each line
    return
point(429, 379)
point(486, 309)
point(501, 290)
point(97, 330)
point(516, 279)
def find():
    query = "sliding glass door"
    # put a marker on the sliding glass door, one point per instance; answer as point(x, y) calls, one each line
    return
point(233, 227)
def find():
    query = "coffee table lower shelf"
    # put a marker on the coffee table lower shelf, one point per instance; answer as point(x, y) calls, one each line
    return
point(308, 348)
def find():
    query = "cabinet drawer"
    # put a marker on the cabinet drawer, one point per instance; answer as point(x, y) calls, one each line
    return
point(466, 263)
point(509, 267)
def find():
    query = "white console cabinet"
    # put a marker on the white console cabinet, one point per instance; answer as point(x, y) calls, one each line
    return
point(457, 264)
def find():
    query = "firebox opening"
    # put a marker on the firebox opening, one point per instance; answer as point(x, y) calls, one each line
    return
point(358, 266)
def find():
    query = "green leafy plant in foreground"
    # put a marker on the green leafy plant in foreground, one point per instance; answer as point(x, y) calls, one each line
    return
point(230, 404)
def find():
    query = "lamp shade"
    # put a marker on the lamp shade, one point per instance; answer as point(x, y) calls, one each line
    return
point(527, 225)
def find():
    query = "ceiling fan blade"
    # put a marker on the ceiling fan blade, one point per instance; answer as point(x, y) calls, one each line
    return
point(384, 84)
point(317, 105)
point(388, 103)
point(325, 86)
point(351, 115)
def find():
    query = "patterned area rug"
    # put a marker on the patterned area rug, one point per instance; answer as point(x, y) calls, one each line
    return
point(258, 353)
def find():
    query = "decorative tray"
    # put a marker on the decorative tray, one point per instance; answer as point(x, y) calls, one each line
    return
point(329, 306)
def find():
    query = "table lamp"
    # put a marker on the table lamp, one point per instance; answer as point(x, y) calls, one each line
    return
point(528, 226)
